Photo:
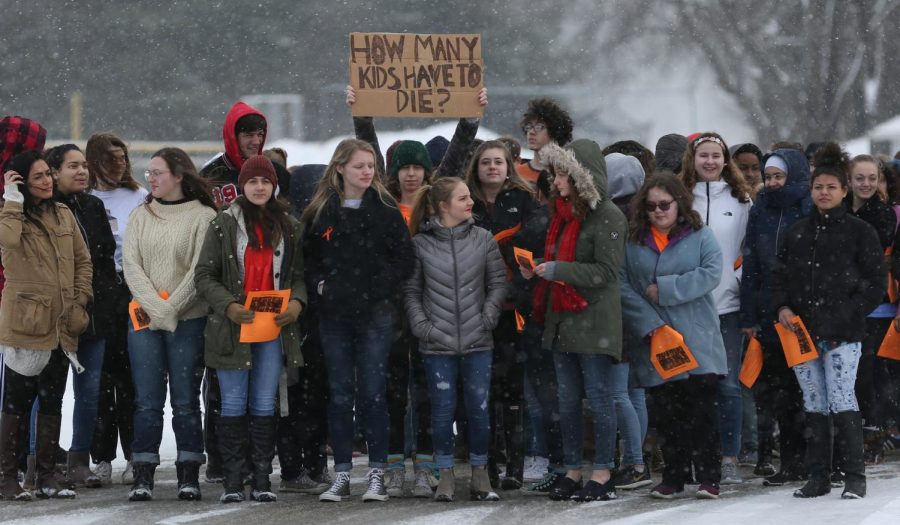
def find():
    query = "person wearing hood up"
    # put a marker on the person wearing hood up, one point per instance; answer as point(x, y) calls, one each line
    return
point(722, 198)
point(783, 201)
point(244, 135)
point(453, 301)
point(669, 152)
point(672, 265)
point(577, 300)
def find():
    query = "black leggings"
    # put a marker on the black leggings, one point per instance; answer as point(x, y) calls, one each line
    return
point(49, 387)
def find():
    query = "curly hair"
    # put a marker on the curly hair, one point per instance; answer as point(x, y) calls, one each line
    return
point(740, 188)
point(558, 122)
point(639, 225)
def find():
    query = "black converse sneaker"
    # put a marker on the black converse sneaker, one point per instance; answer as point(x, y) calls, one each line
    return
point(339, 490)
point(376, 491)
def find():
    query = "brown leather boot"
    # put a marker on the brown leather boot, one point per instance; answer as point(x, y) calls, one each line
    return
point(45, 458)
point(9, 446)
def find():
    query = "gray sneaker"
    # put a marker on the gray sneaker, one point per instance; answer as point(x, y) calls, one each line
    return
point(339, 490)
point(303, 484)
point(376, 491)
point(394, 482)
point(103, 470)
point(730, 474)
point(425, 483)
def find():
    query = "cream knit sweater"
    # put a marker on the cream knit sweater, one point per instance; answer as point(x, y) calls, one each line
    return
point(160, 253)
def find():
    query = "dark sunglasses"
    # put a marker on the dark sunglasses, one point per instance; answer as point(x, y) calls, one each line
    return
point(663, 205)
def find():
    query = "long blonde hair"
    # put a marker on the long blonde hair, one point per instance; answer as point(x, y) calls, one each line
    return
point(429, 199)
point(332, 182)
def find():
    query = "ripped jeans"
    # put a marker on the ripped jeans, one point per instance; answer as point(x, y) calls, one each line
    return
point(443, 372)
point(828, 382)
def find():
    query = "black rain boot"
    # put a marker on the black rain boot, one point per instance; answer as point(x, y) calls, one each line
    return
point(818, 456)
point(142, 488)
point(46, 447)
point(232, 437)
point(262, 450)
point(9, 464)
point(849, 432)
point(188, 480)
point(513, 433)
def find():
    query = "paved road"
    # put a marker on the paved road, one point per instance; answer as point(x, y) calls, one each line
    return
point(109, 505)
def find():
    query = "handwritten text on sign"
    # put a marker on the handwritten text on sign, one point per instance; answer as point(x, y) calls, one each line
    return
point(416, 75)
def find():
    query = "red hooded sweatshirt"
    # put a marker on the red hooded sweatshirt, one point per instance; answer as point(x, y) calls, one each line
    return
point(232, 149)
point(223, 171)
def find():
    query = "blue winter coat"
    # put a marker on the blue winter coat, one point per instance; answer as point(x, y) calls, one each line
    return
point(686, 272)
point(770, 217)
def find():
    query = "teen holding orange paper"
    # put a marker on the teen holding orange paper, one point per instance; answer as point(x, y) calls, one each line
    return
point(831, 273)
point(672, 265)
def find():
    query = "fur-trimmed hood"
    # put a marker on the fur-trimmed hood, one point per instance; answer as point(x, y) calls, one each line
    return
point(583, 161)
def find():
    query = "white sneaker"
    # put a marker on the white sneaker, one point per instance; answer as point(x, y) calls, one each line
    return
point(128, 474)
point(394, 482)
point(103, 470)
point(536, 470)
point(425, 483)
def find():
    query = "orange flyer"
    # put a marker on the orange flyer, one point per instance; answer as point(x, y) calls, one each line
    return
point(798, 346)
point(669, 354)
point(890, 346)
point(265, 305)
point(139, 317)
point(524, 257)
point(753, 363)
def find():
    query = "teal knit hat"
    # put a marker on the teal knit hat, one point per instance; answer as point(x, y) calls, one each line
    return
point(407, 153)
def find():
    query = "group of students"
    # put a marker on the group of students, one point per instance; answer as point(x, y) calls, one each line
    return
point(455, 279)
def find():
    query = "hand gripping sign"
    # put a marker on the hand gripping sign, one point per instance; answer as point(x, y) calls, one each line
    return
point(669, 354)
point(798, 346)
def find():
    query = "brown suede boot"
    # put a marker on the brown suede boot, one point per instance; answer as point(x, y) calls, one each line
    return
point(9, 446)
point(45, 456)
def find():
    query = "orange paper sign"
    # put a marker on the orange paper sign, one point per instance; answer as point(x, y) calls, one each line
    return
point(669, 354)
point(798, 346)
point(753, 363)
point(890, 346)
point(524, 257)
point(265, 305)
point(139, 317)
point(520, 322)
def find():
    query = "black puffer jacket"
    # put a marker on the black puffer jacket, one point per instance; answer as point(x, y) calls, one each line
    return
point(90, 214)
point(830, 272)
point(363, 256)
point(455, 294)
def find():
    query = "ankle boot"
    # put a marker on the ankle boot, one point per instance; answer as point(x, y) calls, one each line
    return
point(849, 432)
point(262, 451)
point(480, 486)
point(78, 470)
point(818, 456)
point(446, 486)
point(45, 458)
point(9, 466)
point(142, 487)
point(188, 473)
point(232, 437)
point(513, 433)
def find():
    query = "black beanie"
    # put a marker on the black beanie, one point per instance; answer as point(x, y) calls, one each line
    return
point(410, 152)
point(437, 148)
point(22, 162)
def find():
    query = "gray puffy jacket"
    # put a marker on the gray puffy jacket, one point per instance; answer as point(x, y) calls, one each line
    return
point(454, 297)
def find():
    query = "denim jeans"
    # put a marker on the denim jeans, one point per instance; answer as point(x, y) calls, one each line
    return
point(536, 440)
point(593, 375)
point(443, 373)
point(639, 402)
point(627, 418)
point(87, 393)
point(540, 375)
point(259, 383)
point(828, 382)
point(731, 401)
point(156, 356)
point(356, 358)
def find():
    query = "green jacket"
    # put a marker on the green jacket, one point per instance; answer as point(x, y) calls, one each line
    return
point(599, 253)
point(219, 282)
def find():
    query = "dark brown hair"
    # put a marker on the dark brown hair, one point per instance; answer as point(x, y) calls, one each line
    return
point(192, 185)
point(100, 160)
point(639, 225)
point(513, 180)
point(740, 189)
point(580, 206)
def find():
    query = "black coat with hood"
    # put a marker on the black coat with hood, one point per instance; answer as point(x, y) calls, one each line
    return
point(772, 214)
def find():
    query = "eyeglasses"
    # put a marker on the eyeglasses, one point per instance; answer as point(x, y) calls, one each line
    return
point(662, 205)
point(537, 128)
point(155, 173)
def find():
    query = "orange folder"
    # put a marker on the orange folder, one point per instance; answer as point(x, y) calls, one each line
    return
point(753, 363)
point(669, 354)
point(798, 346)
point(265, 305)
point(890, 346)
point(139, 317)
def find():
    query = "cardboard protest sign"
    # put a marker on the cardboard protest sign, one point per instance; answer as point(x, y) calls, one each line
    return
point(798, 346)
point(139, 317)
point(669, 354)
point(416, 75)
point(890, 346)
point(752, 365)
point(524, 257)
point(265, 305)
